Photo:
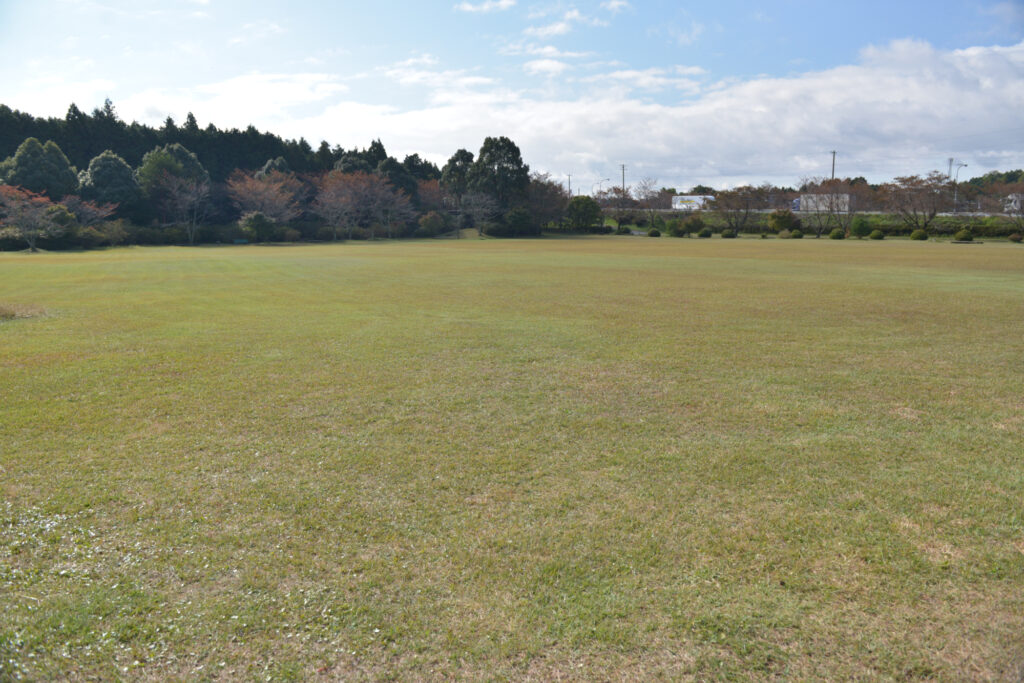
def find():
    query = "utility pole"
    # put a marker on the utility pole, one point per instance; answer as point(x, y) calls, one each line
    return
point(570, 183)
point(622, 197)
point(833, 164)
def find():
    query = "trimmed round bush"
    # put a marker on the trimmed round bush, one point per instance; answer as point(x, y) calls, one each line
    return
point(1016, 237)
point(728, 234)
point(861, 228)
point(654, 232)
point(784, 234)
point(876, 235)
point(796, 235)
point(919, 235)
point(837, 234)
point(704, 233)
point(623, 230)
point(963, 236)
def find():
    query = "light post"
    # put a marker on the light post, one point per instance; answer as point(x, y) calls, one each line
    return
point(597, 185)
point(959, 165)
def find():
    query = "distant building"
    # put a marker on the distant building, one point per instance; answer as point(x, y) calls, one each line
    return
point(823, 203)
point(690, 202)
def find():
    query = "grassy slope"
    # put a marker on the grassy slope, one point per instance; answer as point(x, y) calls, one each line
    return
point(605, 457)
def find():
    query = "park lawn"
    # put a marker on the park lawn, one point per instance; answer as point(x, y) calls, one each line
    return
point(591, 458)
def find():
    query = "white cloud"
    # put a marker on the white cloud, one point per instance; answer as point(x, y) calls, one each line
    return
point(558, 28)
point(902, 108)
point(256, 31)
point(615, 6)
point(488, 6)
point(546, 51)
point(654, 79)
point(687, 36)
point(547, 67)
point(564, 25)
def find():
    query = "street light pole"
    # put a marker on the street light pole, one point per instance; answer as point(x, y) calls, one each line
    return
point(598, 185)
point(959, 165)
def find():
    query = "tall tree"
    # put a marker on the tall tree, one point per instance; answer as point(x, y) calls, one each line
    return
point(420, 169)
point(499, 172)
point(40, 168)
point(398, 177)
point(174, 180)
point(109, 180)
point(455, 175)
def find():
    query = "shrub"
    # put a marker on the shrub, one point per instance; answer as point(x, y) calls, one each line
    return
point(676, 228)
point(704, 233)
point(290, 235)
point(783, 220)
point(919, 235)
point(784, 234)
point(963, 236)
point(257, 226)
point(623, 230)
point(693, 223)
point(728, 234)
point(860, 228)
point(430, 224)
point(837, 234)
point(796, 235)
point(876, 235)
point(1016, 237)
point(654, 232)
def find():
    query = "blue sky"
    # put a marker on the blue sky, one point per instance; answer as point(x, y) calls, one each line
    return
point(717, 93)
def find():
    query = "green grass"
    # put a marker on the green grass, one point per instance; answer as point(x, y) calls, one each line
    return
point(593, 458)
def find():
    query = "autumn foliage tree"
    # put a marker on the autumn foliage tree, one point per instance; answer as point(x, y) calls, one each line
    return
point(360, 199)
point(916, 200)
point(30, 216)
point(276, 194)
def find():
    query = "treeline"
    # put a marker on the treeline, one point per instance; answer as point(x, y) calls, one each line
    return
point(248, 186)
point(83, 136)
point(93, 180)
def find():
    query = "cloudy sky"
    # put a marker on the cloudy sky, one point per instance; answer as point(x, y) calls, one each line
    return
point(716, 93)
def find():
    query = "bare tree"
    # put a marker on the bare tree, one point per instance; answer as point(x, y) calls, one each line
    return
point(362, 199)
point(738, 206)
point(546, 199)
point(647, 194)
point(88, 213)
point(337, 199)
point(828, 203)
point(481, 208)
point(1008, 198)
point(275, 194)
point(916, 200)
point(186, 202)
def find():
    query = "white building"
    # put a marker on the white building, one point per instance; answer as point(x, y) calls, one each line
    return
point(690, 202)
point(824, 203)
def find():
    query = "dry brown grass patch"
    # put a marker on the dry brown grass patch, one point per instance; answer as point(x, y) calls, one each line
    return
point(14, 311)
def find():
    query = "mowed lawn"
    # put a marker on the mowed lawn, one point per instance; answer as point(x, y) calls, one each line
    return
point(608, 458)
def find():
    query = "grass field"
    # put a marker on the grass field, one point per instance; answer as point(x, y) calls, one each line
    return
point(601, 458)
